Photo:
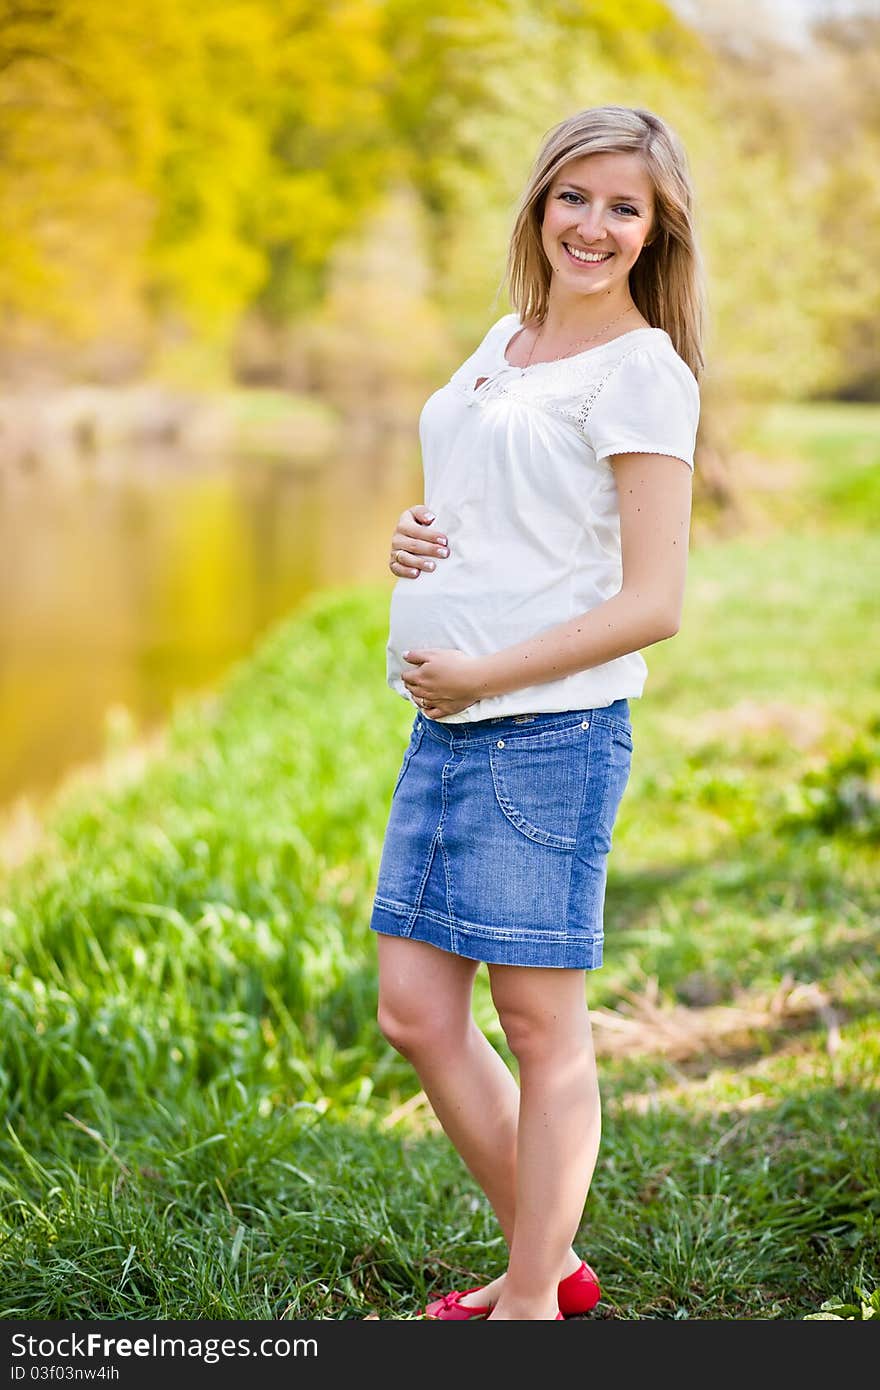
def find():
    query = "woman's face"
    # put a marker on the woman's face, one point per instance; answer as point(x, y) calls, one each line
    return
point(602, 203)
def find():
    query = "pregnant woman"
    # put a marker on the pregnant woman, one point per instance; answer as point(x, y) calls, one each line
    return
point(552, 548)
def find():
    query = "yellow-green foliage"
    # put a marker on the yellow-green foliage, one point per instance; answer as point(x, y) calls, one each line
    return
point(168, 164)
point(162, 156)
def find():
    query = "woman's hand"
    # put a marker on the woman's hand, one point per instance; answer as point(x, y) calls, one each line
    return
point(413, 543)
point(444, 681)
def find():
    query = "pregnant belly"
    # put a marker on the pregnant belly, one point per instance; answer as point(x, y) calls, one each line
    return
point(455, 609)
point(434, 615)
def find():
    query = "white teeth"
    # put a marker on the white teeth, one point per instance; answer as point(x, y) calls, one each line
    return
point(593, 256)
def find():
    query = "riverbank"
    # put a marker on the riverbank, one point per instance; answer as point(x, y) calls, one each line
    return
point(64, 424)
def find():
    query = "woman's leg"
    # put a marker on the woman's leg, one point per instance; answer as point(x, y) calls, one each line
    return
point(425, 1013)
point(545, 1019)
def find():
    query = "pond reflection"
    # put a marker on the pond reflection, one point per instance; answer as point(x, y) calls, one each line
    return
point(135, 577)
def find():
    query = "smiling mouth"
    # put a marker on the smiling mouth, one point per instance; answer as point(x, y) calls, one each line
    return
point(585, 257)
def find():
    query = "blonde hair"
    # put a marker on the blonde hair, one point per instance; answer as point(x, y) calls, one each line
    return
point(667, 281)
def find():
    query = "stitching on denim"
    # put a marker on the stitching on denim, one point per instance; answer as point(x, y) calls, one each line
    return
point(512, 934)
point(409, 753)
point(449, 901)
point(429, 859)
point(615, 725)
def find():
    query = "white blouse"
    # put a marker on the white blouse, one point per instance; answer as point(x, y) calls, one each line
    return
point(517, 472)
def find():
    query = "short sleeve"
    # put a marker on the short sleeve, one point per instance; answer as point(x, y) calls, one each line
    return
point(649, 404)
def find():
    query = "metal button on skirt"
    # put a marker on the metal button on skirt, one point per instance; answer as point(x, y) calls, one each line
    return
point(499, 833)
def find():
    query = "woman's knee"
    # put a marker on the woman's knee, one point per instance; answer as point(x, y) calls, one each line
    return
point(396, 1024)
point(543, 1014)
point(424, 996)
point(412, 1028)
point(528, 1037)
point(538, 1035)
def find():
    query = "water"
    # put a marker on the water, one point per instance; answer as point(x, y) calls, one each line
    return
point(129, 579)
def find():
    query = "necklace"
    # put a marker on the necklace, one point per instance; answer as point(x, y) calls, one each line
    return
point(568, 351)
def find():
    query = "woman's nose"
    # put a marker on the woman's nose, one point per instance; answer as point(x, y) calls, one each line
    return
point(592, 225)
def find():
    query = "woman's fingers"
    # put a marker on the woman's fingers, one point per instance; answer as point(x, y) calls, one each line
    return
point(424, 543)
point(411, 562)
point(426, 540)
point(404, 564)
point(413, 547)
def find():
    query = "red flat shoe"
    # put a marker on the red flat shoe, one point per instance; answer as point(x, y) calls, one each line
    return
point(449, 1308)
point(579, 1292)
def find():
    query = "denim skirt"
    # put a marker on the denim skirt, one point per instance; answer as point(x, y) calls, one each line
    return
point(498, 836)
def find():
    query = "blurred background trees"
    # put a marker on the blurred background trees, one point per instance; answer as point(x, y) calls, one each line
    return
point(203, 180)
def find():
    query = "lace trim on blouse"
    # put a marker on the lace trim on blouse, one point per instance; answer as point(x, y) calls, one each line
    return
point(568, 389)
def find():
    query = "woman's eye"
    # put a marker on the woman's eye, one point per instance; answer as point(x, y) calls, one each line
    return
point(624, 206)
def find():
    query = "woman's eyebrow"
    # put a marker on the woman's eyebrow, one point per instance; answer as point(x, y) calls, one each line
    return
point(627, 197)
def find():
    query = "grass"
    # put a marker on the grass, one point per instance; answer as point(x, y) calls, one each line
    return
point(201, 1117)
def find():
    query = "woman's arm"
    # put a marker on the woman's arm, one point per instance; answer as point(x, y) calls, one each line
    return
point(654, 500)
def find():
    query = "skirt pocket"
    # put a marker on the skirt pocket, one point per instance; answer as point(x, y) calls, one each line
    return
point(538, 780)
